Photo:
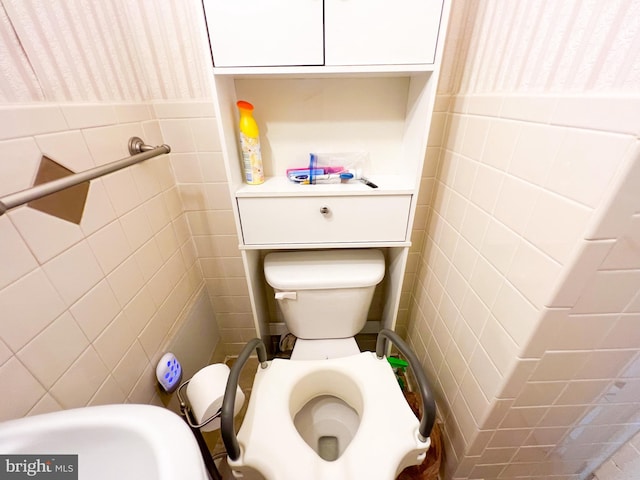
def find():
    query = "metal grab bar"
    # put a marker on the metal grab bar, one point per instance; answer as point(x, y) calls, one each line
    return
point(137, 148)
point(428, 403)
point(227, 428)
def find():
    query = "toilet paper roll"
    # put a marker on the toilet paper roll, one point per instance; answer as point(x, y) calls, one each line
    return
point(205, 392)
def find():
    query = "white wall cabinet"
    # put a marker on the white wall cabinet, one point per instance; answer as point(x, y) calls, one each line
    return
point(362, 81)
point(250, 33)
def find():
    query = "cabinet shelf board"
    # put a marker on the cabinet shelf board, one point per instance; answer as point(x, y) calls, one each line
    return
point(282, 187)
point(323, 71)
point(301, 246)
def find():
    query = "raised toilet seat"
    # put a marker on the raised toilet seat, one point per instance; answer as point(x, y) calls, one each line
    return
point(386, 441)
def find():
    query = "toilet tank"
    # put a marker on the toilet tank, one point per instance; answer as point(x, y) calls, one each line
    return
point(324, 294)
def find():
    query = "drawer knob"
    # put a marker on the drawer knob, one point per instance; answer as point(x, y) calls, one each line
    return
point(324, 210)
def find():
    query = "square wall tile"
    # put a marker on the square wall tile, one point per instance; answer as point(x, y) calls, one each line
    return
point(586, 164)
point(533, 108)
point(212, 166)
point(98, 210)
point(147, 177)
point(582, 391)
point(53, 351)
point(68, 149)
point(608, 291)
point(21, 390)
point(575, 274)
point(86, 272)
point(5, 353)
point(114, 341)
point(533, 273)
point(95, 310)
point(500, 144)
point(110, 246)
point(133, 112)
point(538, 394)
point(110, 143)
point(561, 331)
point(515, 313)
point(136, 227)
point(205, 134)
point(612, 216)
point(186, 167)
point(555, 366)
point(625, 254)
point(140, 310)
point(499, 345)
point(46, 235)
point(19, 161)
point(29, 120)
point(182, 109)
point(613, 113)
point(535, 152)
point(28, 306)
point(624, 333)
point(604, 364)
point(108, 393)
point(17, 259)
point(516, 201)
point(126, 280)
point(475, 137)
point(486, 187)
point(485, 373)
point(122, 191)
point(179, 135)
point(130, 368)
point(86, 116)
point(556, 225)
point(149, 259)
point(81, 381)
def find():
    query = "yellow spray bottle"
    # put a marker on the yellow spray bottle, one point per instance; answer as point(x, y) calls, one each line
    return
point(250, 145)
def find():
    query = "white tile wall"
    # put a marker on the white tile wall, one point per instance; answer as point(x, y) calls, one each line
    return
point(192, 131)
point(88, 308)
point(505, 248)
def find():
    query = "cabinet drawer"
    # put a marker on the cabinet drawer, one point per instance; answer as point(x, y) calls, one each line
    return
point(287, 220)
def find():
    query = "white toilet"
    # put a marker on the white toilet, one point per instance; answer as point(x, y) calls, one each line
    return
point(331, 412)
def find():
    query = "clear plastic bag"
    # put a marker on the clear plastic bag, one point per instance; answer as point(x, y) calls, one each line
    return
point(331, 168)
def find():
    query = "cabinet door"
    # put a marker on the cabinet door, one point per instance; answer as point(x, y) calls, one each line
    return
point(381, 32)
point(248, 33)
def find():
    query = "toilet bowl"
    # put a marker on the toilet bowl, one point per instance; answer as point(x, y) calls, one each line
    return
point(341, 418)
point(331, 411)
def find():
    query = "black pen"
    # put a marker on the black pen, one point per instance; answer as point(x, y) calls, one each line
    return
point(368, 183)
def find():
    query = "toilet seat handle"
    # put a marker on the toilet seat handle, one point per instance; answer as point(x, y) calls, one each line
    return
point(428, 402)
point(227, 428)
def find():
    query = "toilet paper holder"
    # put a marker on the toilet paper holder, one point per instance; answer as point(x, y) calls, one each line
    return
point(187, 411)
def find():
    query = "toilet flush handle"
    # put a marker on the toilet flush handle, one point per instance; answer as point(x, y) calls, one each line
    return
point(286, 295)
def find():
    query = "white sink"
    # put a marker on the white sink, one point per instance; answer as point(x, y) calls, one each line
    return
point(124, 442)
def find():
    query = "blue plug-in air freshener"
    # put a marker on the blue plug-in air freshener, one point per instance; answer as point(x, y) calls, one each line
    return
point(169, 372)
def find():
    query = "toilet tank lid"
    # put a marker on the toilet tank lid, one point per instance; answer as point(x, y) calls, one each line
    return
point(306, 270)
